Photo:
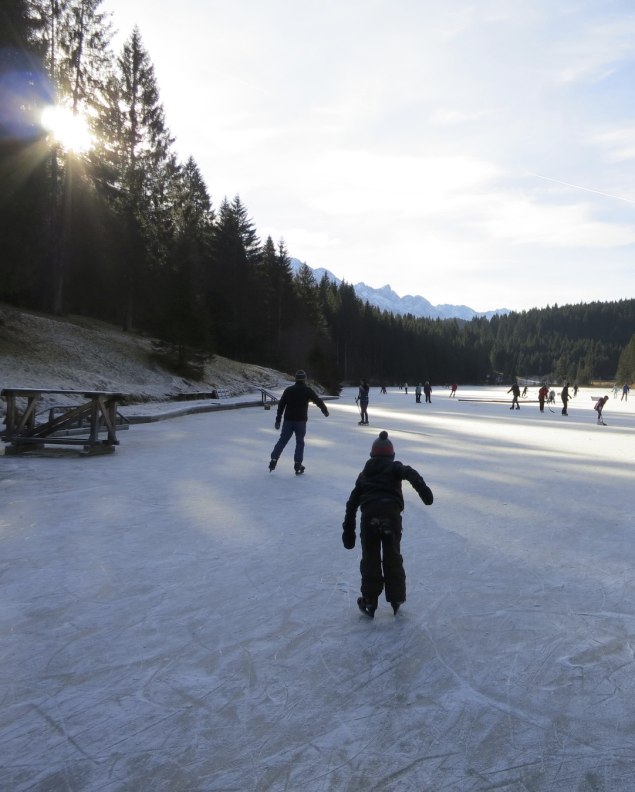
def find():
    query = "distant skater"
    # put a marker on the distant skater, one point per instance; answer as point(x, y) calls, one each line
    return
point(418, 393)
point(453, 390)
point(625, 391)
point(515, 390)
point(598, 407)
point(565, 398)
point(362, 401)
point(543, 393)
point(378, 493)
point(294, 405)
point(428, 392)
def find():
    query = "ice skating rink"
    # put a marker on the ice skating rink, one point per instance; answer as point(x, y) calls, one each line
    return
point(175, 618)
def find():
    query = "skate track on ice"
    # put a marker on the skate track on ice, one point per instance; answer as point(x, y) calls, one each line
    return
point(175, 618)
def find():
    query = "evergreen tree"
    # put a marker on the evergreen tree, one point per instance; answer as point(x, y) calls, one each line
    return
point(626, 363)
point(277, 297)
point(74, 36)
point(235, 301)
point(135, 148)
point(23, 167)
point(181, 313)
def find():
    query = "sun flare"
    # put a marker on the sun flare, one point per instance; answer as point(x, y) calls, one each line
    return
point(69, 129)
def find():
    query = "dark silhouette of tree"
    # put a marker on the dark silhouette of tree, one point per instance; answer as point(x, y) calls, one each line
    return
point(626, 363)
point(136, 149)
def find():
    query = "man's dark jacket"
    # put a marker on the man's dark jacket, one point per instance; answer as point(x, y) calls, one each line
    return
point(294, 402)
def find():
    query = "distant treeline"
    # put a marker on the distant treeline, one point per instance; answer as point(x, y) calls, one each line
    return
point(127, 233)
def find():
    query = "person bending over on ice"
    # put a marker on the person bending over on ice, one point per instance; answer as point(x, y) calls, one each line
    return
point(598, 407)
point(294, 405)
point(377, 492)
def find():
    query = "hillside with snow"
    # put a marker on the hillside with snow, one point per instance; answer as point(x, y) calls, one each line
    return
point(41, 351)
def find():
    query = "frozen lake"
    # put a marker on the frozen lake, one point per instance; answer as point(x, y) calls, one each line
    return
point(175, 618)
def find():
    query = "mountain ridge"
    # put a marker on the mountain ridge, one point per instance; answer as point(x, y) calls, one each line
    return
point(386, 299)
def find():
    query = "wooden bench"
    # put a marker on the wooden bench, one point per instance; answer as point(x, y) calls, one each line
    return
point(76, 424)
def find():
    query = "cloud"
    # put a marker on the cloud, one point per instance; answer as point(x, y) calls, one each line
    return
point(597, 50)
point(520, 221)
point(362, 182)
point(618, 145)
point(445, 116)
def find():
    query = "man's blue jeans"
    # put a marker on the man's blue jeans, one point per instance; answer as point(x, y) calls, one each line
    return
point(290, 428)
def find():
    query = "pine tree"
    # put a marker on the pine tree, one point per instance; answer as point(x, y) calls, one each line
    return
point(276, 298)
point(136, 159)
point(75, 37)
point(235, 299)
point(183, 317)
point(23, 166)
point(626, 363)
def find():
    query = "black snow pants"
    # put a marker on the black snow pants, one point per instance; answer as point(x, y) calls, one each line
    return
point(382, 562)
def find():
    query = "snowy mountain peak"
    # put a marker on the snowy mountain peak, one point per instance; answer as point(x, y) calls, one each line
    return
point(386, 299)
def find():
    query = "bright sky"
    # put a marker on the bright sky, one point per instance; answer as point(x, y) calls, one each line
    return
point(477, 152)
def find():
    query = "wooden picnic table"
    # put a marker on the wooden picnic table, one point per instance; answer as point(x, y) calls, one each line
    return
point(76, 424)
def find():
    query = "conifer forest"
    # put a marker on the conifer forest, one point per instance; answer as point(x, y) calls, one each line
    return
point(122, 231)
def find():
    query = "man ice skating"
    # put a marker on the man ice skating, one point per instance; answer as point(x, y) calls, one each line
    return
point(565, 398)
point(515, 390)
point(378, 493)
point(294, 404)
point(362, 401)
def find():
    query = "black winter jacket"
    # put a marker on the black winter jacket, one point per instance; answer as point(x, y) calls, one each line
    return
point(294, 402)
point(381, 480)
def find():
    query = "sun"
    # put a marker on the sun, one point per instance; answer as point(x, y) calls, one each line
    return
point(69, 129)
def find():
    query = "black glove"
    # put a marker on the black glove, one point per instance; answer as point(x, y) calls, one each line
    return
point(426, 496)
point(277, 424)
point(348, 539)
point(348, 533)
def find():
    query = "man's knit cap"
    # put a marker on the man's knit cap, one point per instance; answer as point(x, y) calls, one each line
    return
point(300, 375)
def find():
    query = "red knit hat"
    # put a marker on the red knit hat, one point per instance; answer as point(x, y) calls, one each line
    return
point(382, 447)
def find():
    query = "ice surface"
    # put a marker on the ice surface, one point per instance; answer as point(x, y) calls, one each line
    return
point(176, 618)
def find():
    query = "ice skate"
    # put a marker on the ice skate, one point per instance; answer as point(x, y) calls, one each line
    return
point(299, 469)
point(367, 606)
point(272, 464)
point(395, 606)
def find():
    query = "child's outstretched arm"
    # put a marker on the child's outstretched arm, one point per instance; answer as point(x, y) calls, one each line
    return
point(350, 520)
point(418, 484)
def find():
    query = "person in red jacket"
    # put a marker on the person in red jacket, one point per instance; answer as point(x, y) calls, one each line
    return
point(294, 406)
point(543, 393)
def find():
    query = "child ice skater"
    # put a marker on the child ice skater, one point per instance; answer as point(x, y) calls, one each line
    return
point(377, 492)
